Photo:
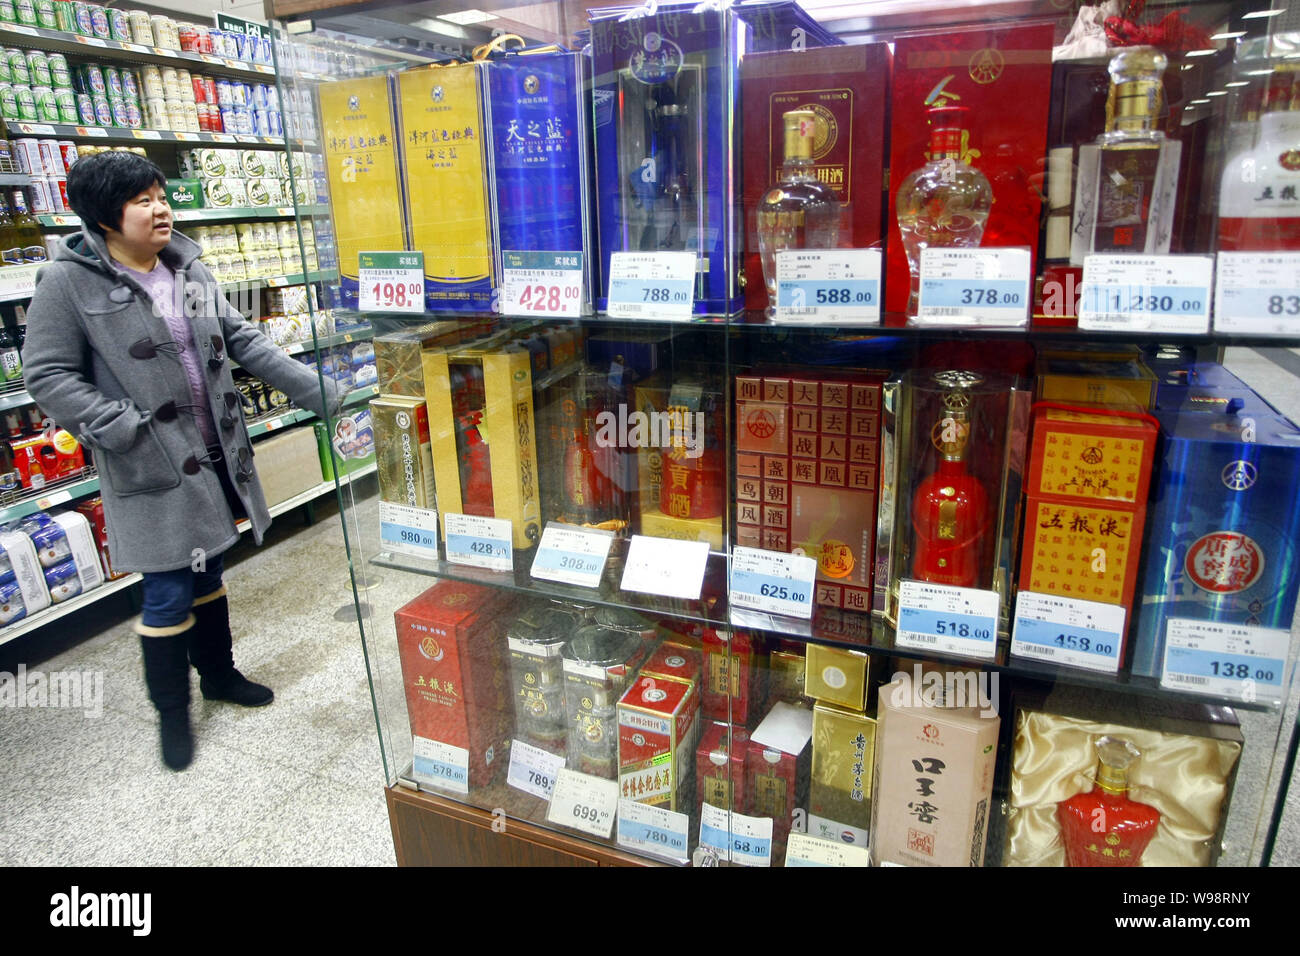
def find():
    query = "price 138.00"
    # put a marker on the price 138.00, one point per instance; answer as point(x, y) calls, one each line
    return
point(547, 298)
point(399, 295)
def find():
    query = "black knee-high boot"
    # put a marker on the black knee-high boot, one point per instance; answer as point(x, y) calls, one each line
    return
point(211, 648)
point(167, 675)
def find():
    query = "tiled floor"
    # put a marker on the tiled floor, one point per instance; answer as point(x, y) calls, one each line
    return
point(299, 782)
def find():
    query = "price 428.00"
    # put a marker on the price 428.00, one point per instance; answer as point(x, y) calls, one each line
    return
point(546, 298)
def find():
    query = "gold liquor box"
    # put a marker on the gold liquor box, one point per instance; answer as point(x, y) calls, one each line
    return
point(833, 675)
point(840, 791)
point(398, 358)
point(402, 451)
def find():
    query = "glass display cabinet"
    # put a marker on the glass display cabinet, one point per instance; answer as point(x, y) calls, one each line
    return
point(788, 454)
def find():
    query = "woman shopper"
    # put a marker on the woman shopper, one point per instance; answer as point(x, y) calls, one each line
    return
point(129, 347)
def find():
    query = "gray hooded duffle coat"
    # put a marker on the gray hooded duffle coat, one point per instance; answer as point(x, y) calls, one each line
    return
point(102, 363)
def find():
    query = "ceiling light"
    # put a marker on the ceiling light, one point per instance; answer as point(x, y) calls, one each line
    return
point(466, 17)
point(1209, 52)
point(1261, 14)
point(1196, 102)
point(1229, 36)
point(1217, 93)
point(1237, 83)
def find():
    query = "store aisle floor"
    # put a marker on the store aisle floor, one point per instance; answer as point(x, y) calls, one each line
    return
point(297, 783)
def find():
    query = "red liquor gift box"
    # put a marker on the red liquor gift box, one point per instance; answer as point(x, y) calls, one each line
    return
point(657, 720)
point(675, 662)
point(733, 677)
point(1004, 78)
point(846, 87)
point(453, 668)
point(776, 768)
point(720, 767)
point(93, 510)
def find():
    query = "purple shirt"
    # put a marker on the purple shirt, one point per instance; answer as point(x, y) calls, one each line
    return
point(161, 286)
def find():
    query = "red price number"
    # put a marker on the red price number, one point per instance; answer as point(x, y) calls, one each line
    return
point(397, 294)
point(546, 298)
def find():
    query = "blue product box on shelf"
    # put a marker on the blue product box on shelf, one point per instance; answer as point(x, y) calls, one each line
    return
point(1223, 528)
point(666, 128)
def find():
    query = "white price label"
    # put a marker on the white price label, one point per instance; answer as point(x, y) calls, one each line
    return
point(572, 555)
point(654, 830)
point(773, 582)
point(541, 283)
point(651, 285)
point(533, 770)
point(479, 542)
point(1233, 661)
point(741, 839)
point(405, 529)
point(1257, 292)
point(828, 285)
point(954, 620)
point(391, 281)
point(975, 286)
point(146, 134)
point(36, 129)
point(18, 282)
point(222, 138)
point(1065, 630)
point(97, 132)
point(92, 41)
point(584, 802)
point(805, 850)
point(439, 764)
point(1146, 293)
point(665, 566)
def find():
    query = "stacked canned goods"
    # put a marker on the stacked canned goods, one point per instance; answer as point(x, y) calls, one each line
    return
point(255, 250)
point(47, 163)
point(36, 87)
point(249, 177)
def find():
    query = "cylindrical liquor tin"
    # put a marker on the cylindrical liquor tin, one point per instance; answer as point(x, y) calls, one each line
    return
point(597, 666)
point(69, 151)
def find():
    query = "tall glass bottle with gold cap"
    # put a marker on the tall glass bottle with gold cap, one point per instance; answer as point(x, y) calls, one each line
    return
point(798, 211)
point(1104, 827)
point(1135, 166)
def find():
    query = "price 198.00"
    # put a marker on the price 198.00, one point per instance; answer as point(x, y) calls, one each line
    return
point(547, 298)
point(399, 295)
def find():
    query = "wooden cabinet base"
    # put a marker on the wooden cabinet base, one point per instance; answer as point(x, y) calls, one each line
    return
point(432, 831)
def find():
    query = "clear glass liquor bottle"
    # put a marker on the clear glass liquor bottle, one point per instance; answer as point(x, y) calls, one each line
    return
point(798, 211)
point(946, 202)
point(1259, 194)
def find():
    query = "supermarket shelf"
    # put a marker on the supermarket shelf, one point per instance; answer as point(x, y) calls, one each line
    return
point(338, 338)
point(57, 41)
point(18, 282)
point(275, 282)
point(56, 611)
point(293, 416)
point(15, 179)
point(117, 134)
point(52, 495)
point(310, 495)
point(13, 395)
point(202, 215)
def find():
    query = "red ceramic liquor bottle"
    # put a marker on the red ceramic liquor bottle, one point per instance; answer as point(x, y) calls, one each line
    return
point(1104, 827)
point(950, 506)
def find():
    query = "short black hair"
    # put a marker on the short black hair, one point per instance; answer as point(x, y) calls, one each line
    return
point(100, 185)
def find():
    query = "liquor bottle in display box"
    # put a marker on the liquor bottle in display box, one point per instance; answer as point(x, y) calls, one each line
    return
point(1258, 206)
point(953, 452)
point(1104, 827)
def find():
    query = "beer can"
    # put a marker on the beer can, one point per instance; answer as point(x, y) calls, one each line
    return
point(19, 71)
point(228, 120)
point(51, 158)
point(59, 193)
point(155, 113)
point(66, 100)
point(92, 79)
point(27, 154)
point(6, 72)
point(8, 102)
point(42, 201)
point(117, 107)
point(189, 37)
point(63, 14)
point(46, 106)
point(25, 11)
point(152, 83)
point(46, 18)
point(175, 114)
point(205, 39)
point(7, 12)
point(26, 104)
point(170, 80)
point(60, 74)
point(119, 25)
point(258, 99)
point(274, 123)
point(81, 18)
point(134, 115)
point(103, 111)
point(113, 81)
point(225, 94)
point(85, 109)
point(241, 46)
point(38, 65)
point(192, 117)
point(200, 90)
point(214, 119)
point(239, 93)
point(99, 21)
point(68, 150)
point(254, 163)
point(130, 83)
point(164, 32)
point(141, 28)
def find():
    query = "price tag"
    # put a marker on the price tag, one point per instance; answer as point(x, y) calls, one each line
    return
point(25, 31)
point(247, 138)
point(651, 285)
point(584, 802)
point(541, 283)
point(738, 838)
point(1146, 293)
point(187, 137)
point(773, 582)
point(440, 764)
point(58, 498)
point(92, 41)
point(940, 617)
point(65, 221)
point(974, 286)
point(479, 542)
point(405, 529)
point(1235, 661)
point(1085, 634)
point(222, 138)
point(146, 134)
point(1257, 292)
point(805, 850)
point(36, 129)
point(572, 555)
point(532, 769)
point(391, 281)
point(94, 131)
point(828, 285)
point(18, 282)
point(135, 48)
point(654, 830)
point(665, 566)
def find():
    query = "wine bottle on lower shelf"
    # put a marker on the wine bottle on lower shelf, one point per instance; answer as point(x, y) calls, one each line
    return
point(1104, 827)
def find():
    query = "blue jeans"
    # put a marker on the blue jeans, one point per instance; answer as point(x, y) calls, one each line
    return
point(169, 595)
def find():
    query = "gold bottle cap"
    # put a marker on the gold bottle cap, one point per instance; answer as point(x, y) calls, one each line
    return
point(1114, 755)
point(800, 130)
point(1136, 92)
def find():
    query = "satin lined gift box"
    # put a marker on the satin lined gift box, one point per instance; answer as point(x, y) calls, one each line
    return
point(1186, 771)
